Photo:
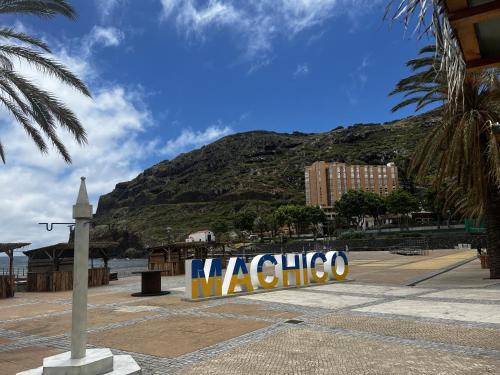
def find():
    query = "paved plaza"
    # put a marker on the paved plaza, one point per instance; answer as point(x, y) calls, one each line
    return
point(372, 324)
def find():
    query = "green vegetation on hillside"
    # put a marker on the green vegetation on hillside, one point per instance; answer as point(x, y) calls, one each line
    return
point(257, 171)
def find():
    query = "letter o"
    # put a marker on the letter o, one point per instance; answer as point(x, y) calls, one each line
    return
point(340, 271)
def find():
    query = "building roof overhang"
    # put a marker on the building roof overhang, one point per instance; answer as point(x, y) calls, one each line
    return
point(6, 247)
point(477, 27)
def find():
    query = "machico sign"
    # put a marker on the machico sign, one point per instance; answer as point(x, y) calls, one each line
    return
point(204, 277)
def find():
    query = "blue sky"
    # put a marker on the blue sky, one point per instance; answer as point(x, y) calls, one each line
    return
point(171, 75)
point(336, 70)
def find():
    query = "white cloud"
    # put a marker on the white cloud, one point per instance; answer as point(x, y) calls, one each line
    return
point(358, 80)
point(258, 22)
point(36, 188)
point(104, 36)
point(301, 70)
point(106, 8)
point(108, 36)
point(190, 139)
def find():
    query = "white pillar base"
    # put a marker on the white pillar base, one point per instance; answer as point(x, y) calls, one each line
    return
point(96, 362)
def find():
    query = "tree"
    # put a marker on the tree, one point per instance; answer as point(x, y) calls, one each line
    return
point(38, 111)
point(285, 216)
point(272, 223)
point(299, 217)
point(220, 228)
point(401, 202)
point(244, 220)
point(375, 206)
point(352, 206)
point(260, 225)
point(314, 217)
point(462, 148)
point(433, 202)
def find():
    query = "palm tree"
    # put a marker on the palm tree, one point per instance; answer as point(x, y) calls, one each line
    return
point(432, 18)
point(38, 111)
point(462, 151)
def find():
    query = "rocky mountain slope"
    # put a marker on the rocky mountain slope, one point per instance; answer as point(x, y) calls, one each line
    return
point(258, 169)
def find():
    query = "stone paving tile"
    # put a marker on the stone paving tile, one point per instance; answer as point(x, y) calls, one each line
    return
point(16, 301)
point(440, 262)
point(253, 310)
point(104, 298)
point(412, 329)
point(169, 301)
point(470, 275)
point(375, 290)
point(17, 360)
point(23, 311)
point(46, 296)
point(304, 298)
point(466, 293)
point(175, 335)
point(58, 325)
point(384, 275)
point(468, 312)
point(299, 351)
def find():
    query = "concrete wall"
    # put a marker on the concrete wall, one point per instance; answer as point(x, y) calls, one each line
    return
point(448, 241)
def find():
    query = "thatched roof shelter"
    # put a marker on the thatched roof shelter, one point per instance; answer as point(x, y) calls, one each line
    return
point(8, 248)
point(60, 256)
point(7, 288)
point(170, 258)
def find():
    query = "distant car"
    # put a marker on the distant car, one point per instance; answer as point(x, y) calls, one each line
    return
point(253, 237)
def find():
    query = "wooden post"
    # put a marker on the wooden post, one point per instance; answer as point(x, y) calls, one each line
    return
point(11, 283)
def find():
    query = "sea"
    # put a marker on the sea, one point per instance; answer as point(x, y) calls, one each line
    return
point(124, 267)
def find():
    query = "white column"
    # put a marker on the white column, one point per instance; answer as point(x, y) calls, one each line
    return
point(82, 213)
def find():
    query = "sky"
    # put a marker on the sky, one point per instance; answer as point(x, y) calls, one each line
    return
point(168, 76)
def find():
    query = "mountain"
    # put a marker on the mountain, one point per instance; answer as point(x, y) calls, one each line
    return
point(259, 170)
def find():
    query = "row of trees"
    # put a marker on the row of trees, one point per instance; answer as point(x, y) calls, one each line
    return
point(351, 209)
point(356, 205)
point(296, 218)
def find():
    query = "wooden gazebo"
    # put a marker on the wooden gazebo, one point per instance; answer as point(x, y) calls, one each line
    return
point(8, 282)
point(50, 268)
point(170, 258)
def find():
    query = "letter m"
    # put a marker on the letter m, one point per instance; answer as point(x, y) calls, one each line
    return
point(206, 278)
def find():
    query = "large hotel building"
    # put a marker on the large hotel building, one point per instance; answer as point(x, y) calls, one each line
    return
point(326, 182)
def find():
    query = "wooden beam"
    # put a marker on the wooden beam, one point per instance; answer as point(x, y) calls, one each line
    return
point(482, 63)
point(468, 41)
point(454, 5)
point(475, 14)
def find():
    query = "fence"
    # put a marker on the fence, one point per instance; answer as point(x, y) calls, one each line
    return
point(18, 272)
point(56, 281)
point(7, 287)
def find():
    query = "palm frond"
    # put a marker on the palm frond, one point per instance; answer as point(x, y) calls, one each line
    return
point(425, 86)
point(47, 65)
point(451, 60)
point(9, 33)
point(461, 152)
point(2, 152)
point(43, 109)
point(41, 8)
point(24, 121)
point(39, 112)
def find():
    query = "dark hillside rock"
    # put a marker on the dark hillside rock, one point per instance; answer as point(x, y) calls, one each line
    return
point(260, 168)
